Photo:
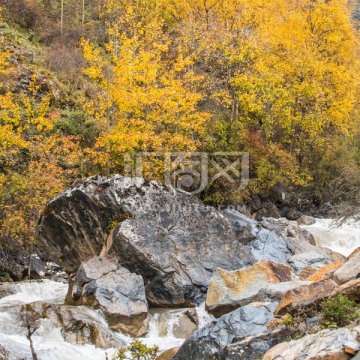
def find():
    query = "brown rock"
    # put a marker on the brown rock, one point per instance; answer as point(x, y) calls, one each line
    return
point(349, 270)
point(188, 323)
point(305, 295)
point(229, 290)
point(306, 272)
point(168, 354)
point(324, 345)
point(350, 289)
point(325, 272)
point(356, 251)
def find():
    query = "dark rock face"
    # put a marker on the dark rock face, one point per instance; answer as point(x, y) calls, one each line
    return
point(254, 347)
point(165, 235)
point(210, 341)
point(120, 294)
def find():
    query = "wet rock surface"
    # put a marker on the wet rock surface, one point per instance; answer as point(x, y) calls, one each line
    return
point(79, 325)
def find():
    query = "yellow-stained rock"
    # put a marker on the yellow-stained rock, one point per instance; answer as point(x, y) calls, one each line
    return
point(305, 295)
point(325, 272)
point(306, 272)
point(356, 251)
point(168, 354)
point(229, 290)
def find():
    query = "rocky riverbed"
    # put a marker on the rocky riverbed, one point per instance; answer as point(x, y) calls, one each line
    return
point(131, 258)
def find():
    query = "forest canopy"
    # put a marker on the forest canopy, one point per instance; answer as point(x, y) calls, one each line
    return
point(276, 79)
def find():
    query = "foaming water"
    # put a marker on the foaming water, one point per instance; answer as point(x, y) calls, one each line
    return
point(26, 292)
point(162, 325)
point(48, 340)
point(343, 239)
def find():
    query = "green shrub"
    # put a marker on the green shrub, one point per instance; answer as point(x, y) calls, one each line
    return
point(338, 310)
point(137, 351)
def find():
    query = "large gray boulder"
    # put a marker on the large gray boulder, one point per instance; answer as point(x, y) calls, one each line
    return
point(210, 341)
point(119, 293)
point(262, 242)
point(165, 235)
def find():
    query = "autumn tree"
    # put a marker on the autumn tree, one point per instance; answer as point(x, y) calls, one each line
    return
point(35, 161)
point(147, 96)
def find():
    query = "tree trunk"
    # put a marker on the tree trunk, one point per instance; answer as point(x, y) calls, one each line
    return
point(62, 17)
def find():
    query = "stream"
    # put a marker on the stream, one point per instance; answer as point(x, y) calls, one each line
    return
point(50, 344)
point(48, 340)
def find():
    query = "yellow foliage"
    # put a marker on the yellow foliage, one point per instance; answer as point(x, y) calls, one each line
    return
point(147, 100)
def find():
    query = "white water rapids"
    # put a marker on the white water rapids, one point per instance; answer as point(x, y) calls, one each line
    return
point(344, 238)
point(49, 343)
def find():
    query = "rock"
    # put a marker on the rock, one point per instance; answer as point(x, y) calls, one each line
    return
point(229, 290)
point(5, 278)
point(7, 289)
point(324, 345)
point(305, 296)
point(293, 214)
point(168, 354)
point(306, 272)
point(119, 293)
point(305, 220)
point(79, 325)
point(274, 292)
point(185, 323)
point(245, 228)
point(209, 341)
point(349, 270)
point(37, 268)
point(325, 272)
point(254, 347)
point(356, 251)
point(351, 289)
point(298, 240)
point(268, 245)
point(312, 259)
point(269, 210)
point(165, 235)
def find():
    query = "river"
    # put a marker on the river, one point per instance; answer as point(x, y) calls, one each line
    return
point(49, 342)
